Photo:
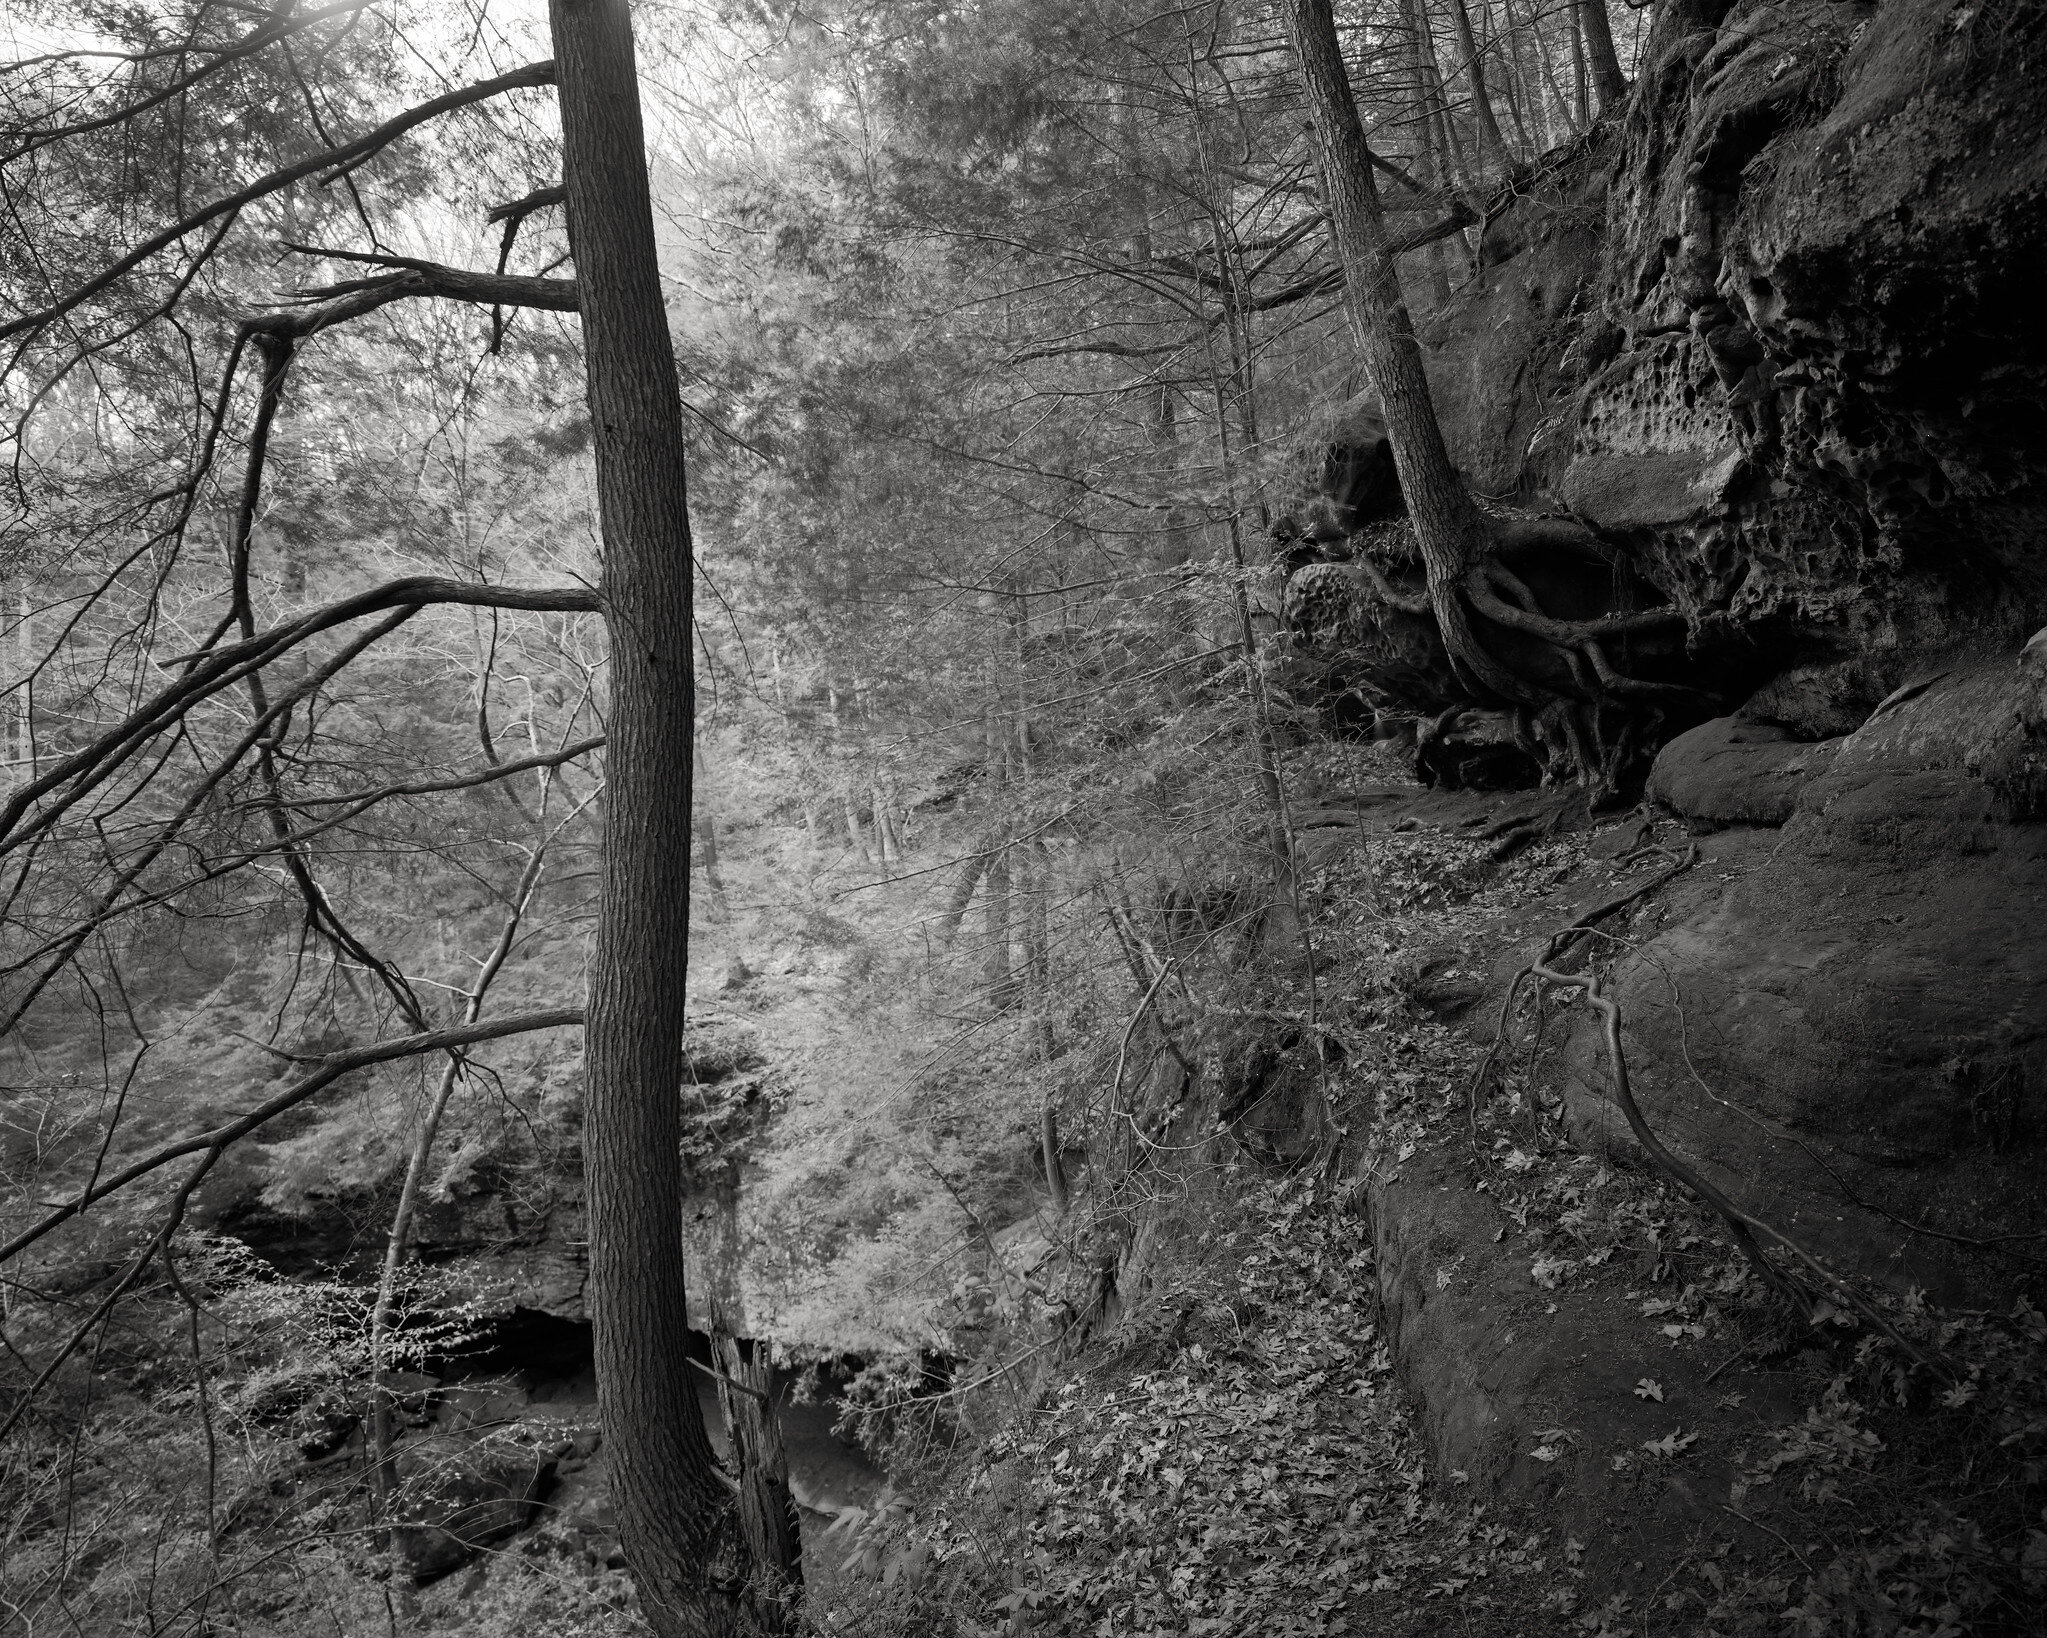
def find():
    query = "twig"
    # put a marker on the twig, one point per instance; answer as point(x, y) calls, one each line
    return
point(1739, 1353)
point(1760, 1525)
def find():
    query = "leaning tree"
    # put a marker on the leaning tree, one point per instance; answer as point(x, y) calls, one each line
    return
point(152, 166)
point(1555, 675)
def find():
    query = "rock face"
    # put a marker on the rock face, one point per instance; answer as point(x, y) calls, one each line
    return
point(1730, 772)
point(1772, 336)
point(1820, 409)
point(459, 1493)
point(1847, 1019)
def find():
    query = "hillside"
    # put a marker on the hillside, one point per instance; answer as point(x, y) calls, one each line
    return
point(1287, 900)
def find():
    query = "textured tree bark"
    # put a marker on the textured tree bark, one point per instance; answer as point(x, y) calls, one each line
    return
point(767, 1508)
point(1607, 79)
point(674, 1519)
point(1427, 170)
point(1492, 147)
point(1447, 524)
point(1580, 90)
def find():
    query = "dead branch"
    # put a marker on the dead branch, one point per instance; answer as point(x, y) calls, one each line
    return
point(435, 279)
point(358, 800)
point(519, 209)
point(514, 216)
point(212, 670)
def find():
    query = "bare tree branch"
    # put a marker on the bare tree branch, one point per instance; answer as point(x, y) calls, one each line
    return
point(435, 279)
point(331, 1070)
point(519, 209)
point(212, 670)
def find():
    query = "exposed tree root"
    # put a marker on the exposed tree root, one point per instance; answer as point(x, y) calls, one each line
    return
point(1583, 731)
point(1748, 1231)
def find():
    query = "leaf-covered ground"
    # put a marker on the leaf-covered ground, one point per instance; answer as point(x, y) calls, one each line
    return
point(1243, 1463)
point(1240, 1457)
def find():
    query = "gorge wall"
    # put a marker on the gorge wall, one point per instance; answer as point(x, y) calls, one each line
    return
point(1772, 333)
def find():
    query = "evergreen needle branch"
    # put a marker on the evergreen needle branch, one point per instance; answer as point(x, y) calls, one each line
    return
point(275, 29)
point(340, 159)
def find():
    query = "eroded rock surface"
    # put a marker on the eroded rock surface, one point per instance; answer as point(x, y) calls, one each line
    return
point(1847, 1020)
point(1730, 772)
point(1772, 336)
point(461, 1492)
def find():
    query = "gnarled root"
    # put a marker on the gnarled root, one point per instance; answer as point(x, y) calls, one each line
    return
point(1580, 716)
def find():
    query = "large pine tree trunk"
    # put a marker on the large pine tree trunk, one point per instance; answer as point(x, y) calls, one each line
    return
point(1447, 524)
point(672, 1510)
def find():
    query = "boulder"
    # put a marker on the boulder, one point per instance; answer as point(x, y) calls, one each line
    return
point(459, 1492)
point(1731, 772)
point(1845, 1022)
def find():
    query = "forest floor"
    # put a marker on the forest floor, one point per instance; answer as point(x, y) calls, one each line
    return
point(1240, 1460)
point(1260, 1449)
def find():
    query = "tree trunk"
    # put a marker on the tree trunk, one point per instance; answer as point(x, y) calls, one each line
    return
point(998, 978)
point(1441, 129)
point(1447, 524)
point(707, 835)
point(1048, 1146)
point(1492, 147)
point(856, 836)
point(673, 1515)
point(1557, 109)
point(767, 1509)
point(1037, 862)
point(1514, 79)
point(1607, 79)
point(1580, 91)
point(707, 839)
point(1427, 170)
point(886, 846)
point(960, 895)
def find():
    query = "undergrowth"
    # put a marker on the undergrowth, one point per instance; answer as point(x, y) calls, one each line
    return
point(1238, 1458)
